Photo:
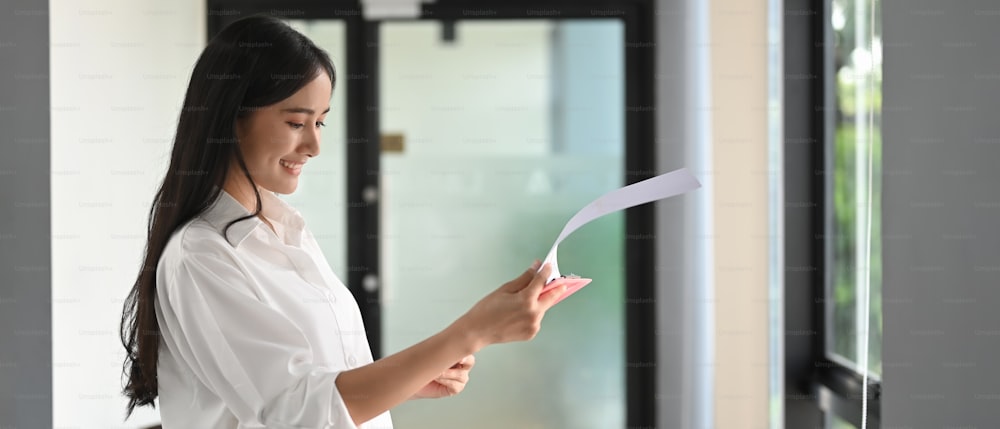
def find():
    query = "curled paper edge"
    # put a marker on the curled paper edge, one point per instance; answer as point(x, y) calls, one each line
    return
point(656, 188)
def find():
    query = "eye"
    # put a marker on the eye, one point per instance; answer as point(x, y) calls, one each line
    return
point(320, 124)
point(295, 125)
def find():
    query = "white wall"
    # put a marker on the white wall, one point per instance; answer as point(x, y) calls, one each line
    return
point(118, 75)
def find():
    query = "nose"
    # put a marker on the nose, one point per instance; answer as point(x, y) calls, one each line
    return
point(310, 143)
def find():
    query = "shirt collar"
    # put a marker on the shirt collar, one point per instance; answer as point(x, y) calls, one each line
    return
point(225, 209)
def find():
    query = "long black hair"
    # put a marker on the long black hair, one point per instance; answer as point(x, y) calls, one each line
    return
point(252, 63)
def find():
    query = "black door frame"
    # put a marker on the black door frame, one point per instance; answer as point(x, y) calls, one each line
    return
point(363, 151)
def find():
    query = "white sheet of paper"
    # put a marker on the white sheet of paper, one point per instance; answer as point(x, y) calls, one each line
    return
point(656, 188)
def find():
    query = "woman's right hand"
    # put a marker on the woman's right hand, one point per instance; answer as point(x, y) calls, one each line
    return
point(514, 311)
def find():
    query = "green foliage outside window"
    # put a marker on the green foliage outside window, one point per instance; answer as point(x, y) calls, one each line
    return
point(858, 74)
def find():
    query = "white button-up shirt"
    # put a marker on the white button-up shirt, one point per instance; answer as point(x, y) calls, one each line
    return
point(256, 327)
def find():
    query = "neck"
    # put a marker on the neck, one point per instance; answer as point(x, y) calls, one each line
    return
point(242, 192)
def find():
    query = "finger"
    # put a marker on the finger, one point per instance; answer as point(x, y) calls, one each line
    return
point(454, 374)
point(453, 387)
point(466, 362)
point(534, 288)
point(518, 283)
point(551, 296)
point(457, 381)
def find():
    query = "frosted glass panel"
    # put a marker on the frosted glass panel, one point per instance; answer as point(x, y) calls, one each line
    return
point(508, 130)
point(320, 196)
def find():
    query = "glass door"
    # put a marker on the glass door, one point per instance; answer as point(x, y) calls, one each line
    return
point(493, 134)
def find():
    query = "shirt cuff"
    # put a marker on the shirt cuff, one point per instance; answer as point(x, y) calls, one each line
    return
point(317, 391)
point(339, 417)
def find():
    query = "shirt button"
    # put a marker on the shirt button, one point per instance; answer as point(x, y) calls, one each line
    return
point(330, 296)
point(352, 360)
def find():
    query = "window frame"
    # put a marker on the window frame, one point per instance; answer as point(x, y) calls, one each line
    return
point(814, 384)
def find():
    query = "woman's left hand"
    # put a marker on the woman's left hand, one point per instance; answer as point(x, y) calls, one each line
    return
point(450, 382)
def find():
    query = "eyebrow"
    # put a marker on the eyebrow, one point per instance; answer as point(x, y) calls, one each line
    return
point(302, 110)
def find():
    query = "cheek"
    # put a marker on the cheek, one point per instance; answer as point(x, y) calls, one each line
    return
point(263, 144)
point(276, 139)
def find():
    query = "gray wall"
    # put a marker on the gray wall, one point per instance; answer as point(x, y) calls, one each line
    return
point(25, 247)
point(941, 199)
point(684, 333)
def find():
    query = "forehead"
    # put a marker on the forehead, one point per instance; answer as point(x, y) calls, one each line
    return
point(314, 95)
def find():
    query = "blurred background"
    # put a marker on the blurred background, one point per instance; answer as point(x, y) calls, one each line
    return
point(462, 137)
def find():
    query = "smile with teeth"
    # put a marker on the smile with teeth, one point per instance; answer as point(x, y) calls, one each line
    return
point(290, 165)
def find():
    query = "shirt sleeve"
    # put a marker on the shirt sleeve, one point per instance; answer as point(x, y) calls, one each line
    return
point(248, 353)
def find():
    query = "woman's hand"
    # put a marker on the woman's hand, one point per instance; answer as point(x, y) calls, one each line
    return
point(511, 313)
point(514, 311)
point(449, 383)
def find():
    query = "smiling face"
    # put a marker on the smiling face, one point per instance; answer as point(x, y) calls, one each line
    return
point(277, 141)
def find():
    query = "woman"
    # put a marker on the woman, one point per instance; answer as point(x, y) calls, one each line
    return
point(236, 320)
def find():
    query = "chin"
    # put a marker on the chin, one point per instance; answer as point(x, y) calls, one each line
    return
point(283, 188)
point(286, 190)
